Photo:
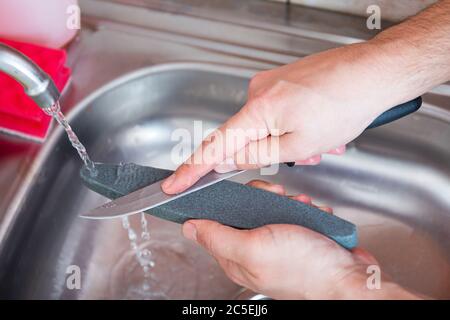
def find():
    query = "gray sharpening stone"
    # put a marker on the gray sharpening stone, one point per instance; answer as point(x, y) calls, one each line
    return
point(227, 202)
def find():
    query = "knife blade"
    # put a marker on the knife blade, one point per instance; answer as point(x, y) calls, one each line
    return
point(150, 197)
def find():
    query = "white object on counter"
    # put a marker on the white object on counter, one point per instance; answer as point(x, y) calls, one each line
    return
point(48, 23)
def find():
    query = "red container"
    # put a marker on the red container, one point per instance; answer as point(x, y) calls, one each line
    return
point(19, 114)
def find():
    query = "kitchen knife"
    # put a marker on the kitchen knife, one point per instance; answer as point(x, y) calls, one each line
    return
point(152, 196)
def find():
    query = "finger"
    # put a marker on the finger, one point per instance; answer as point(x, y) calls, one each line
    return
point(232, 136)
point(318, 158)
point(326, 209)
point(220, 241)
point(364, 255)
point(264, 185)
point(263, 152)
point(338, 151)
point(312, 161)
point(308, 200)
point(302, 198)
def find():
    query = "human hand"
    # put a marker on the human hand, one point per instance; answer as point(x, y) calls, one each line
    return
point(295, 113)
point(288, 261)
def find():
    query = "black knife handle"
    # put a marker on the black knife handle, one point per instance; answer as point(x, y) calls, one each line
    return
point(390, 115)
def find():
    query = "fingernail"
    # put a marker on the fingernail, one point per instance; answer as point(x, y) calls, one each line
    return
point(338, 151)
point(168, 182)
point(303, 198)
point(326, 209)
point(223, 168)
point(190, 231)
point(342, 149)
point(314, 160)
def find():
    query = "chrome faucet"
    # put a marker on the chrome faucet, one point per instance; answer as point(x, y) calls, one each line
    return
point(37, 84)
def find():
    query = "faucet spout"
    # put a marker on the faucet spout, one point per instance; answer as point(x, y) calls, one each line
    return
point(37, 84)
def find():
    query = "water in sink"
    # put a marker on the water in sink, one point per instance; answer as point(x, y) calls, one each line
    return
point(144, 257)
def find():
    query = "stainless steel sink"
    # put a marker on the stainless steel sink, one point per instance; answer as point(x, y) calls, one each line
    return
point(393, 183)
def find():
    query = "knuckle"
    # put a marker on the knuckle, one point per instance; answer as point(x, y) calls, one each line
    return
point(256, 80)
point(251, 156)
point(189, 174)
point(266, 234)
point(207, 241)
point(277, 91)
point(209, 236)
point(261, 102)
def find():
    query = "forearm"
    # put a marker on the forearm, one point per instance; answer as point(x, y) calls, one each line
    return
point(410, 59)
point(415, 55)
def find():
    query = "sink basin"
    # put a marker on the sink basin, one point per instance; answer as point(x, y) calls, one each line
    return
point(393, 183)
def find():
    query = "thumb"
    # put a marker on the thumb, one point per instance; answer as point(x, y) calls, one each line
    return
point(219, 240)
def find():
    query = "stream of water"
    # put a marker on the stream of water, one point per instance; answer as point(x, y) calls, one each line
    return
point(143, 255)
point(55, 112)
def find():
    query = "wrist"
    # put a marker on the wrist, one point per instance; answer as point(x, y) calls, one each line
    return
point(414, 55)
point(357, 285)
point(399, 71)
point(380, 78)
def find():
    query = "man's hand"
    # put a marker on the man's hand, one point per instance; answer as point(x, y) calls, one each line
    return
point(320, 103)
point(293, 113)
point(289, 262)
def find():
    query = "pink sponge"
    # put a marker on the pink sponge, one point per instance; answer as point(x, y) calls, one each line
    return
point(19, 115)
